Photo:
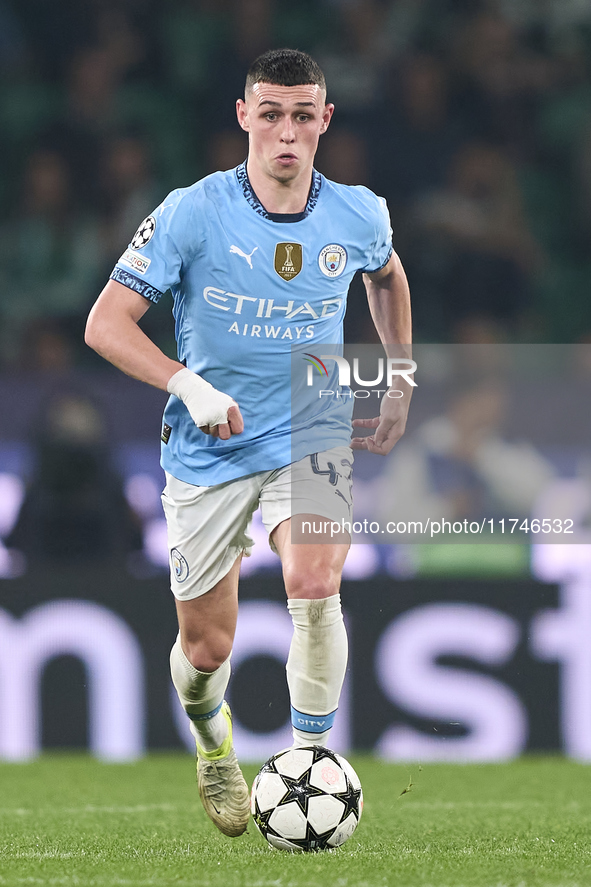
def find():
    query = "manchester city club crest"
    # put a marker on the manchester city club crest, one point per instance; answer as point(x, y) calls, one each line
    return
point(332, 260)
point(180, 567)
point(144, 233)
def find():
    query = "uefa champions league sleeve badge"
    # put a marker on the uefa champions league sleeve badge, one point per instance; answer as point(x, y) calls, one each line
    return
point(144, 233)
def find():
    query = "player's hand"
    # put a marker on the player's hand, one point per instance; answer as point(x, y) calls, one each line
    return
point(225, 430)
point(389, 425)
point(212, 411)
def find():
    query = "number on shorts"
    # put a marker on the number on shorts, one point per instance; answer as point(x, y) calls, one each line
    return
point(333, 474)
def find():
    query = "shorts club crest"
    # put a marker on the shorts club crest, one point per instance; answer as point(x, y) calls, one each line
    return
point(179, 565)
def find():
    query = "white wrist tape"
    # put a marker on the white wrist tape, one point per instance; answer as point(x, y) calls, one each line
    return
point(206, 404)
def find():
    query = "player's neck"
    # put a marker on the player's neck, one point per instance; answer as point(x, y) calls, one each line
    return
point(280, 197)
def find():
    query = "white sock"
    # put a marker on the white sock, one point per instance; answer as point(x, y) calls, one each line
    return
point(201, 694)
point(315, 667)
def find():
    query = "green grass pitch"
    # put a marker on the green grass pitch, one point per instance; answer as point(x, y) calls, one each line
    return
point(69, 820)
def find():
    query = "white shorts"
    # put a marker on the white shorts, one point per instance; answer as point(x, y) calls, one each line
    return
point(208, 526)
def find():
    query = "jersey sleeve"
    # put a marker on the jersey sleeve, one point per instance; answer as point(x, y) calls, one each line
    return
point(380, 250)
point(153, 261)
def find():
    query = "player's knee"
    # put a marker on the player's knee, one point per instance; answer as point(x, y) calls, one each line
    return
point(311, 585)
point(208, 655)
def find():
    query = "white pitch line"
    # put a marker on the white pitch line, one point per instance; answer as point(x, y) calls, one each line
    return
point(90, 808)
point(500, 805)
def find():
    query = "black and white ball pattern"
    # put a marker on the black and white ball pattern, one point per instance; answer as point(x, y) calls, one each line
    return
point(306, 799)
point(144, 233)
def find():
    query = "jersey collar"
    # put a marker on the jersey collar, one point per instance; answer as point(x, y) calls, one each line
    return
point(256, 204)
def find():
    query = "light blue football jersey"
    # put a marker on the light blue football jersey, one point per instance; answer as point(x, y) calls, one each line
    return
point(253, 294)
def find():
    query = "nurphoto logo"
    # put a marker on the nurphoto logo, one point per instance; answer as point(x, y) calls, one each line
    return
point(390, 368)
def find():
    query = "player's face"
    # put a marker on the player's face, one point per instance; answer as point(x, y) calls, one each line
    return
point(284, 124)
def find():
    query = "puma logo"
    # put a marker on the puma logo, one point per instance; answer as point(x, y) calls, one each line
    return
point(238, 251)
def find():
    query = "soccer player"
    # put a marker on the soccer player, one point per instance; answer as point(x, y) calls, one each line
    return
point(259, 260)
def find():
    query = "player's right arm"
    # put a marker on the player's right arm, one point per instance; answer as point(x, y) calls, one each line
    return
point(112, 331)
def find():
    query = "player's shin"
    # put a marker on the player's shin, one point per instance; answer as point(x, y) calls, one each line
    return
point(315, 667)
point(201, 694)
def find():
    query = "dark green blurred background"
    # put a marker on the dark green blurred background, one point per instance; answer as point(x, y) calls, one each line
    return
point(472, 117)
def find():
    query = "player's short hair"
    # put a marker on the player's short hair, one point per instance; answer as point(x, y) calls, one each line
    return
point(285, 67)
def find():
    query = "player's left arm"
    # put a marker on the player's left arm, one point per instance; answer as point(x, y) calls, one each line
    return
point(389, 302)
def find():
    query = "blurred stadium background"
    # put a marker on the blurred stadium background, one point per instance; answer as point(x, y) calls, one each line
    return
point(473, 119)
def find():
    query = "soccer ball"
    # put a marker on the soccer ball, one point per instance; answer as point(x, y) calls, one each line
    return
point(306, 799)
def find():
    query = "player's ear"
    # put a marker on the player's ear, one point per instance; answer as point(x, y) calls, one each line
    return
point(242, 114)
point(326, 117)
